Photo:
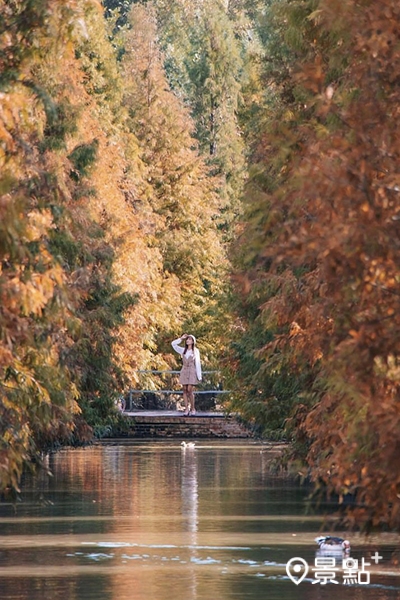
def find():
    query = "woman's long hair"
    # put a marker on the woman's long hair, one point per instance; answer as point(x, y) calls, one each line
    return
point(193, 345)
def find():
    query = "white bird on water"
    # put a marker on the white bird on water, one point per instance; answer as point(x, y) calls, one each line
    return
point(188, 445)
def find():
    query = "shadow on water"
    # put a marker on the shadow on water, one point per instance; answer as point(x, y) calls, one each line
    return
point(154, 520)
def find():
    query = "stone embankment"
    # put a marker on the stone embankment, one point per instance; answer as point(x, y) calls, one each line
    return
point(170, 424)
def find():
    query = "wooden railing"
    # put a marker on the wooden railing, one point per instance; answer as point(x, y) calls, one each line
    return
point(172, 387)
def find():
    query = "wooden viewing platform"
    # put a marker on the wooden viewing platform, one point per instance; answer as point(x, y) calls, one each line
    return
point(172, 423)
point(159, 412)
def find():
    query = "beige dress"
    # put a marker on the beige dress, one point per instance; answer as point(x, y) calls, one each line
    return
point(188, 374)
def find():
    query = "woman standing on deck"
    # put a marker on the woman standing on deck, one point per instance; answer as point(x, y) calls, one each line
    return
point(190, 374)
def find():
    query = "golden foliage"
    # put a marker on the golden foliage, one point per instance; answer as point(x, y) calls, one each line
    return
point(95, 270)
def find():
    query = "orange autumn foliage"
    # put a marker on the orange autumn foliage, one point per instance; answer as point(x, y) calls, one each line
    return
point(324, 259)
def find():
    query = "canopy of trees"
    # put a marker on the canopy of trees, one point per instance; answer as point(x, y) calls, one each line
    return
point(137, 142)
point(109, 224)
point(318, 254)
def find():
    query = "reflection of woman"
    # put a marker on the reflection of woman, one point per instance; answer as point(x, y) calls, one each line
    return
point(190, 374)
point(190, 514)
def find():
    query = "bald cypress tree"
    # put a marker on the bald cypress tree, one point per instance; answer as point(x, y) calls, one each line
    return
point(319, 249)
point(183, 190)
point(205, 58)
point(38, 395)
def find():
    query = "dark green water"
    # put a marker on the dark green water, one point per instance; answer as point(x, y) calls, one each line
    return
point(150, 520)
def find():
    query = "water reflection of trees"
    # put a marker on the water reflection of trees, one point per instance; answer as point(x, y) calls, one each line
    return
point(133, 480)
point(150, 495)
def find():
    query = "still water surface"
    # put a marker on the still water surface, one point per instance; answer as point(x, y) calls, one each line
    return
point(152, 521)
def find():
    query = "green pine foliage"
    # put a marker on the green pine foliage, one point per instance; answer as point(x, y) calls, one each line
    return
point(205, 56)
point(82, 158)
